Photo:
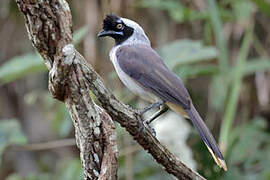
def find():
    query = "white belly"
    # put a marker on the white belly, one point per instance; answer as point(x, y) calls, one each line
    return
point(130, 83)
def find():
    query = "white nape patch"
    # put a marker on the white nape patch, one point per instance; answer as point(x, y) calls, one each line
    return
point(133, 24)
point(138, 36)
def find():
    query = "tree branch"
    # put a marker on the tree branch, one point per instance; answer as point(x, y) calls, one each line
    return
point(70, 79)
point(131, 120)
point(49, 27)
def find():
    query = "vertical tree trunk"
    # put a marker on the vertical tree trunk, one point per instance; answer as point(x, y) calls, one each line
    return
point(49, 26)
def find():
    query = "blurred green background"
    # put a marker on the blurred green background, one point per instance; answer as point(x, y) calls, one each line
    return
point(219, 48)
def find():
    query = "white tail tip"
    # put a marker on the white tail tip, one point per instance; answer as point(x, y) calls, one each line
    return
point(220, 162)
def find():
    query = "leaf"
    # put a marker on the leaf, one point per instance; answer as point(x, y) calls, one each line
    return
point(249, 155)
point(10, 134)
point(175, 9)
point(252, 66)
point(21, 66)
point(186, 51)
point(66, 124)
point(242, 10)
point(191, 71)
point(29, 63)
point(249, 141)
point(231, 105)
point(256, 65)
point(218, 91)
point(263, 5)
point(14, 177)
point(217, 28)
point(62, 122)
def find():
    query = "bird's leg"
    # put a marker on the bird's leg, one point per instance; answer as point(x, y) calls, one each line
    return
point(154, 105)
point(163, 109)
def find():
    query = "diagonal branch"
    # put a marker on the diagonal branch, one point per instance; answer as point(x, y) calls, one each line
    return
point(130, 119)
point(70, 79)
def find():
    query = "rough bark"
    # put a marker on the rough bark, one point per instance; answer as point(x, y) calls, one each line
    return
point(49, 28)
point(70, 79)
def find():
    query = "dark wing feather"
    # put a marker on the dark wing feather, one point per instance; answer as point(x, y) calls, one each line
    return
point(144, 65)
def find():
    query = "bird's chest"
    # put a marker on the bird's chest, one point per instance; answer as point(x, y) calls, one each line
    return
point(130, 83)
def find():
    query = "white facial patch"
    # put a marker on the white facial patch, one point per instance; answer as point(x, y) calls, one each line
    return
point(138, 35)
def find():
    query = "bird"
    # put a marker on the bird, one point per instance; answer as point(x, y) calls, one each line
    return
point(144, 72)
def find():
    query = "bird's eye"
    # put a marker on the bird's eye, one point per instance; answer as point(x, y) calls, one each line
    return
point(119, 26)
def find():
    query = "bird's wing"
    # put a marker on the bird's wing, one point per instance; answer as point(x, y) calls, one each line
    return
point(144, 65)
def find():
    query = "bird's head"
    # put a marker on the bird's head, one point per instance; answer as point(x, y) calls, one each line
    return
point(122, 30)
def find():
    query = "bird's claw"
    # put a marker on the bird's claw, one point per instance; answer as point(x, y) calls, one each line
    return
point(152, 130)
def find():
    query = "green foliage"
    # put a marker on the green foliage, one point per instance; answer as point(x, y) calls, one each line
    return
point(256, 65)
point(69, 169)
point(242, 9)
point(263, 5)
point(79, 35)
point(30, 63)
point(144, 167)
point(62, 122)
point(176, 10)
point(248, 146)
point(205, 163)
point(226, 78)
point(218, 91)
point(216, 22)
point(182, 52)
point(192, 71)
point(236, 87)
point(14, 177)
point(249, 155)
point(10, 134)
point(21, 66)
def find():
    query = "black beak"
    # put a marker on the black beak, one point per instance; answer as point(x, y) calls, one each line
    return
point(104, 33)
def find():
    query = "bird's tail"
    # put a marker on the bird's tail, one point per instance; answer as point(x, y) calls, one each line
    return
point(207, 137)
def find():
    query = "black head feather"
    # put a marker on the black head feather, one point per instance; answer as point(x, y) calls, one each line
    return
point(110, 29)
point(110, 21)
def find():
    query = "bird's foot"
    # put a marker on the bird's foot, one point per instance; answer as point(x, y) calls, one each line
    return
point(152, 130)
point(145, 124)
